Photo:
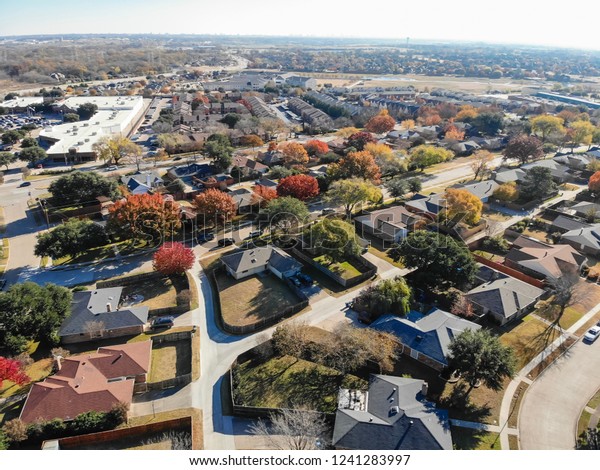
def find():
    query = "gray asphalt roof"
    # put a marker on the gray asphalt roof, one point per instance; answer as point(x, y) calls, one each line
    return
point(431, 335)
point(415, 424)
point(587, 236)
point(248, 259)
point(92, 306)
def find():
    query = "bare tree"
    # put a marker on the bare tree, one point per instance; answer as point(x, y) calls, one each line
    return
point(293, 430)
point(564, 291)
point(179, 440)
point(481, 163)
point(290, 339)
point(95, 329)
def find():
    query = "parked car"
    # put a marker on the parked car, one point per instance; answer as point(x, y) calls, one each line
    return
point(112, 168)
point(592, 334)
point(226, 242)
point(328, 210)
point(254, 234)
point(205, 237)
point(162, 322)
point(305, 278)
point(25, 183)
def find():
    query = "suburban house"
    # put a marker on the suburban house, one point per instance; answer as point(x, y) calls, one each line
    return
point(584, 209)
point(390, 224)
point(247, 167)
point(506, 175)
point(426, 339)
point(482, 189)
point(560, 173)
point(564, 224)
point(429, 206)
point(393, 414)
point(585, 239)
point(243, 198)
point(257, 260)
point(575, 161)
point(503, 297)
point(541, 260)
point(89, 382)
point(142, 182)
point(99, 314)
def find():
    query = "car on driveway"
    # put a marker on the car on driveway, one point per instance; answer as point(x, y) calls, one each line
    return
point(205, 237)
point(226, 242)
point(162, 322)
point(592, 334)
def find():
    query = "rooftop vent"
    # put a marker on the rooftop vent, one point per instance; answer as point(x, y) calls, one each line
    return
point(394, 410)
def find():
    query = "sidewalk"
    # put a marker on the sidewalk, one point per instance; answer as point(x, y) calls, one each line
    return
point(524, 372)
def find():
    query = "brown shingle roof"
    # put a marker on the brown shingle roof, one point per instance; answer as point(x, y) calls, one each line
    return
point(85, 383)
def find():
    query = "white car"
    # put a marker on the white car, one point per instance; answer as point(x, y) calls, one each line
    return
point(592, 334)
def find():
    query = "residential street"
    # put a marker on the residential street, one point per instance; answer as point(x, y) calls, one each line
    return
point(552, 405)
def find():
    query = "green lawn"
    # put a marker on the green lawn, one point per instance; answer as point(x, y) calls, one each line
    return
point(290, 382)
point(569, 317)
point(384, 256)
point(343, 269)
point(253, 298)
point(472, 439)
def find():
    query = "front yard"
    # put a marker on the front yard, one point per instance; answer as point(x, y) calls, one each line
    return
point(290, 382)
point(101, 253)
point(158, 292)
point(252, 299)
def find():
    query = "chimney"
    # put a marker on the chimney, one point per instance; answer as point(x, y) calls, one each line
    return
point(424, 389)
point(58, 363)
point(108, 307)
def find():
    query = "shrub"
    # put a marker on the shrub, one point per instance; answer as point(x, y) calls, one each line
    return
point(184, 297)
point(497, 243)
point(15, 431)
point(90, 421)
point(117, 414)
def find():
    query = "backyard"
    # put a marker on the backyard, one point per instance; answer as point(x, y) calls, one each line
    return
point(170, 359)
point(158, 292)
point(344, 269)
point(252, 299)
point(280, 382)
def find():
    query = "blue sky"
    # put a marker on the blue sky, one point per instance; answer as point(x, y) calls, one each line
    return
point(505, 21)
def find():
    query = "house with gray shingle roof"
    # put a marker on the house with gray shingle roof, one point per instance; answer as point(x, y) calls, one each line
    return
point(393, 415)
point(584, 239)
point(389, 224)
point(503, 297)
point(142, 182)
point(481, 189)
point(257, 260)
point(507, 175)
point(427, 339)
point(564, 223)
point(585, 208)
point(430, 205)
point(98, 314)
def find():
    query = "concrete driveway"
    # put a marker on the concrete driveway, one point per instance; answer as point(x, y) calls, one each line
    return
point(551, 407)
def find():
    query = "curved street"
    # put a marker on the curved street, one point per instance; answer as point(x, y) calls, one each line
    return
point(551, 407)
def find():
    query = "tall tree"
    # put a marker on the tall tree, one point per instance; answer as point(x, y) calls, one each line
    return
point(442, 262)
point(423, 156)
point(261, 195)
point(480, 357)
point(358, 140)
point(147, 216)
point(71, 238)
point(397, 187)
point(333, 238)
point(389, 162)
point(594, 183)
point(32, 154)
point(415, 185)
point(286, 214)
point(460, 203)
point(356, 165)
point(524, 148)
point(352, 192)
point(389, 296)
point(173, 258)
point(545, 125)
point(293, 154)
point(381, 123)
point(218, 147)
point(582, 133)
point(507, 192)
point(488, 123)
point(6, 158)
point(481, 162)
point(537, 184)
point(301, 187)
point(215, 206)
point(82, 187)
point(316, 147)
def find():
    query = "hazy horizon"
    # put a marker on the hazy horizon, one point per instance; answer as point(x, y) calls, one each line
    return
point(513, 22)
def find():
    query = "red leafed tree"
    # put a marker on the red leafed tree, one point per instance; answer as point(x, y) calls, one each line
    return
point(381, 123)
point(262, 195)
point(293, 153)
point(299, 186)
point(316, 147)
point(11, 369)
point(173, 258)
point(594, 183)
point(356, 165)
point(215, 205)
point(359, 140)
point(145, 215)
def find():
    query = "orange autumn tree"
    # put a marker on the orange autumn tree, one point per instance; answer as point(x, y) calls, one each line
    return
point(316, 147)
point(381, 123)
point(453, 133)
point(215, 206)
point(261, 195)
point(356, 165)
point(594, 183)
point(461, 203)
point(145, 215)
point(299, 186)
point(293, 154)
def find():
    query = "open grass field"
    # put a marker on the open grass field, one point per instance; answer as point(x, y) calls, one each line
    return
point(290, 382)
point(254, 298)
